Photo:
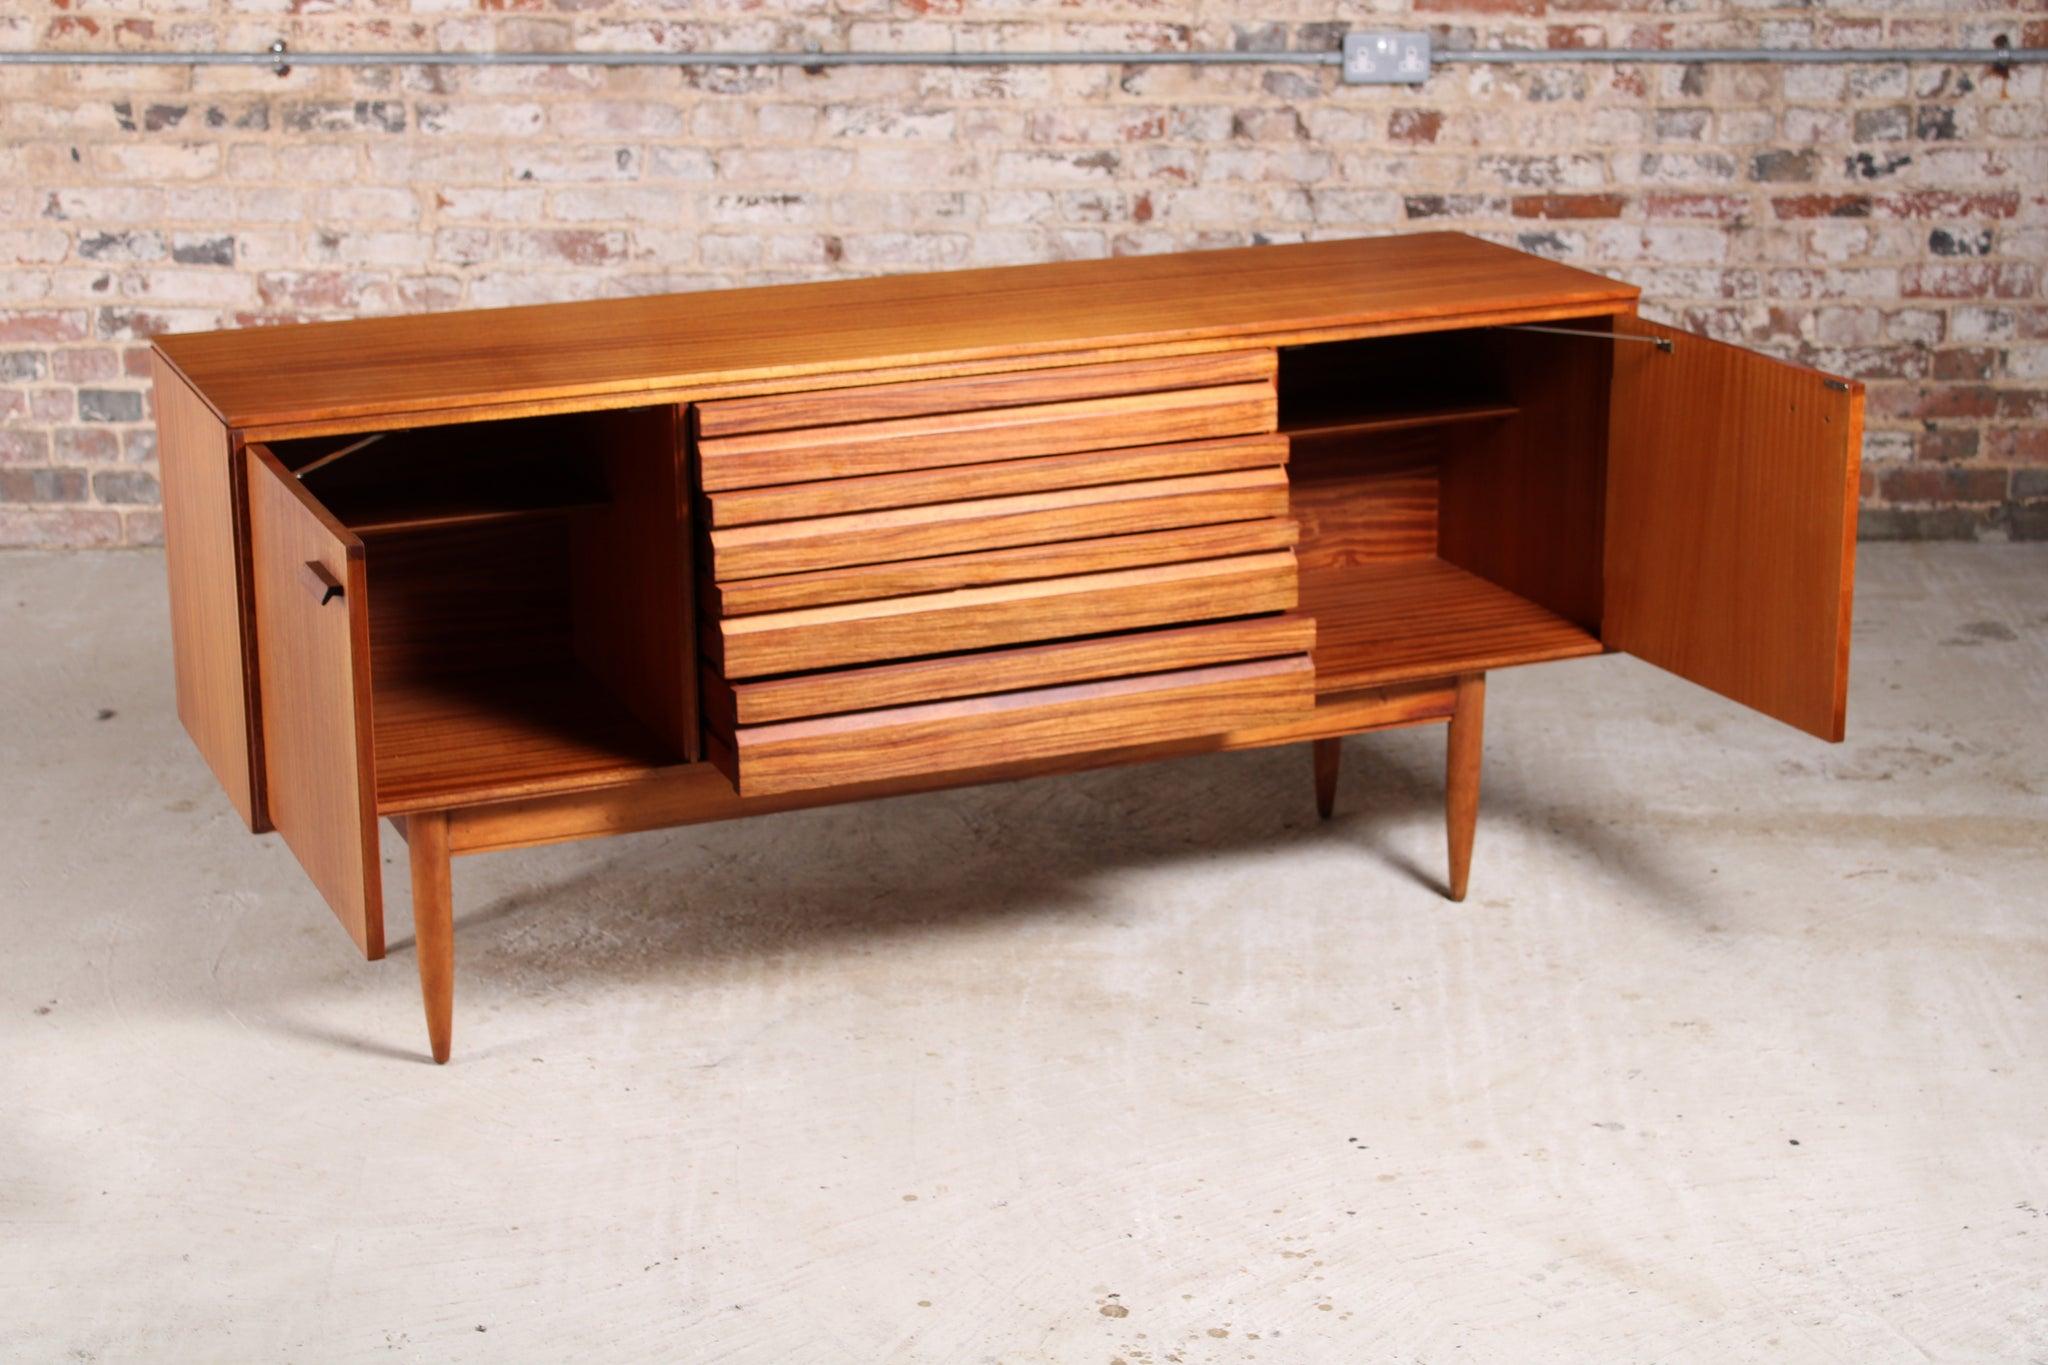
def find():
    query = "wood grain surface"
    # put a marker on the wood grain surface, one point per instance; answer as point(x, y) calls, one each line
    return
point(942, 573)
point(313, 671)
point(1425, 618)
point(433, 923)
point(632, 581)
point(1037, 723)
point(691, 343)
point(1326, 757)
point(1731, 523)
point(1009, 613)
point(1462, 745)
point(1365, 499)
point(1002, 670)
point(984, 435)
point(448, 739)
point(700, 792)
point(481, 598)
point(836, 497)
point(203, 505)
point(1521, 501)
point(786, 547)
point(870, 403)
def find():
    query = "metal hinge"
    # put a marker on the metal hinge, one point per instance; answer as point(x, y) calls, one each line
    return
point(1661, 343)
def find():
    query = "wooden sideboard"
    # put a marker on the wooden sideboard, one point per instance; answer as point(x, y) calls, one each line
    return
point(515, 577)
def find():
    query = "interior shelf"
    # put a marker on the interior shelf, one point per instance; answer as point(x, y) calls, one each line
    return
point(427, 504)
point(410, 514)
point(1345, 417)
point(478, 737)
point(1405, 619)
point(442, 477)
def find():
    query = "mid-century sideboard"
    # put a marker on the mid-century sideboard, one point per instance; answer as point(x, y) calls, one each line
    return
point(514, 577)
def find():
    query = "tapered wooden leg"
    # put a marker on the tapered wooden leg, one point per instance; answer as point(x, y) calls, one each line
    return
point(433, 920)
point(1461, 777)
point(1329, 755)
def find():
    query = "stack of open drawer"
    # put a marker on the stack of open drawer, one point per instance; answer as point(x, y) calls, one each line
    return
point(953, 573)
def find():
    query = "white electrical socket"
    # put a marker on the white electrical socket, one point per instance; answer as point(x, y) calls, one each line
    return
point(1386, 57)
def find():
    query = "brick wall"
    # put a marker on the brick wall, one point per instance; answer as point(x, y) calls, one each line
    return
point(1885, 222)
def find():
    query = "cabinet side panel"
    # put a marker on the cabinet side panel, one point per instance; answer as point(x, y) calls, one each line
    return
point(201, 554)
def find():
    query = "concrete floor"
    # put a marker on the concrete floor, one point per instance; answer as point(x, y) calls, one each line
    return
point(1738, 1052)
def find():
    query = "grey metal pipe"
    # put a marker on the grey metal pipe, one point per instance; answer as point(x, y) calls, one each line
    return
point(1769, 56)
point(1475, 56)
point(673, 58)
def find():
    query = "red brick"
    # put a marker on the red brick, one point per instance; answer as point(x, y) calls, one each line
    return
point(2021, 405)
point(1973, 362)
point(1414, 125)
point(2017, 445)
point(84, 366)
point(1572, 37)
point(1944, 483)
point(52, 325)
point(1935, 400)
point(1568, 205)
point(1822, 206)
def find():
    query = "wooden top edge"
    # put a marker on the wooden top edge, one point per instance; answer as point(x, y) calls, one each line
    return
point(664, 345)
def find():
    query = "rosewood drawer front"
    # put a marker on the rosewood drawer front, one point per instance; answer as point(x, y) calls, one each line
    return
point(1008, 613)
point(765, 700)
point(938, 528)
point(944, 573)
point(1028, 414)
point(1006, 727)
point(1014, 388)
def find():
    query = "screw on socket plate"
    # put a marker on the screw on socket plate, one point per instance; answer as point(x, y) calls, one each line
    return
point(1386, 57)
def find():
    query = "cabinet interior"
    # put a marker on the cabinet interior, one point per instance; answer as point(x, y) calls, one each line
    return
point(513, 571)
point(1450, 490)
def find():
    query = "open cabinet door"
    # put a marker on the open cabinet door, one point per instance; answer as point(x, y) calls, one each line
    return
point(1731, 522)
point(313, 685)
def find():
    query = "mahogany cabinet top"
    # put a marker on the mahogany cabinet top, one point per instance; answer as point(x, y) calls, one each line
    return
point(275, 376)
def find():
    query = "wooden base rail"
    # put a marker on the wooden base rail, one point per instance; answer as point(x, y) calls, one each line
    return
point(698, 794)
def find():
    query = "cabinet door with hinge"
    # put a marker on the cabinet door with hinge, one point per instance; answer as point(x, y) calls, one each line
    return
point(313, 682)
point(1731, 522)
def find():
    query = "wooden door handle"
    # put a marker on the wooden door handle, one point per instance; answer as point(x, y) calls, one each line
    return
point(322, 584)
